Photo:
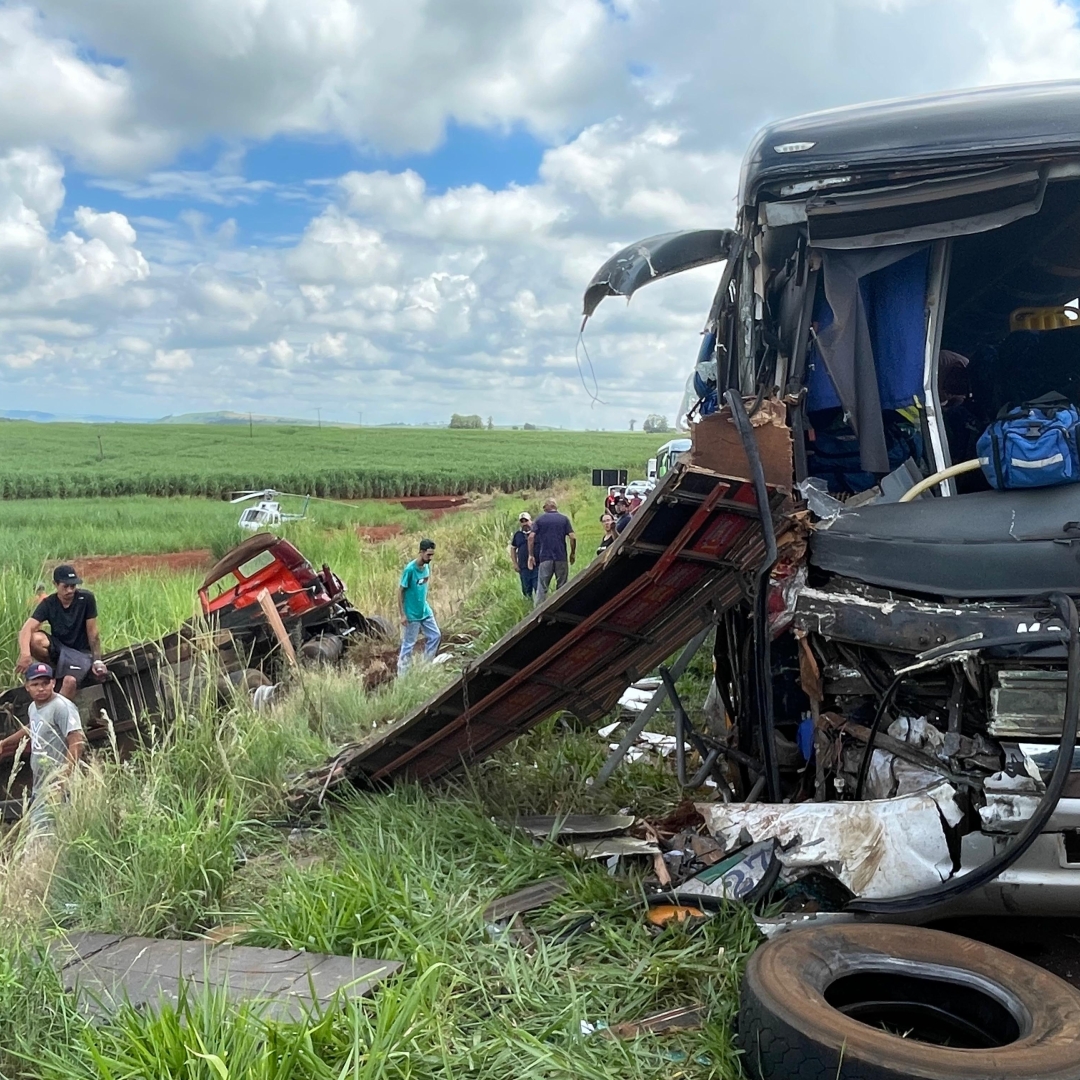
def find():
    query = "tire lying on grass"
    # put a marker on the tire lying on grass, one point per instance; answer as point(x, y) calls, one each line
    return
point(870, 1001)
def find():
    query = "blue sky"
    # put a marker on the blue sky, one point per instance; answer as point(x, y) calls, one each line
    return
point(350, 206)
point(299, 172)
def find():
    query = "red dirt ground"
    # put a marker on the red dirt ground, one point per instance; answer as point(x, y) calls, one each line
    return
point(433, 502)
point(378, 533)
point(100, 567)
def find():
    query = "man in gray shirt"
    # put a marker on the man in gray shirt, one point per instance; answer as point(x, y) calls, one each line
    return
point(55, 733)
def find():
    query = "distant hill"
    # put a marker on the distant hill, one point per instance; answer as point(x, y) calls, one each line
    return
point(241, 418)
point(28, 414)
point(52, 418)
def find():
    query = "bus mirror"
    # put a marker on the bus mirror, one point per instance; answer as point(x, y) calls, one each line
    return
point(651, 471)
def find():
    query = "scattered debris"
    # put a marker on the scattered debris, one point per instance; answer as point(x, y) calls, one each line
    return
point(528, 899)
point(614, 847)
point(663, 914)
point(743, 876)
point(683, 1018)
point(555, 826)
point(876, 849)
point(261, 603)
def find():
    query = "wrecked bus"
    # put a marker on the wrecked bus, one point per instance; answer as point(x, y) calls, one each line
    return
point(901, 278)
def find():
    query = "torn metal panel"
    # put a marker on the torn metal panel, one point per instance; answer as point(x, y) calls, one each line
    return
point(614, 846)
point(682, 561)
point(876, 849)
point(876, 618)
point(654, 258)
point(716, 445)
point(544, 825)
point(1028, 703)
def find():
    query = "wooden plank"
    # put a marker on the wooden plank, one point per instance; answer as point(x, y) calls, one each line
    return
point(274, 619)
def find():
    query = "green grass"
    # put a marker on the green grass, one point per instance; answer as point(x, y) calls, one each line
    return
point(477, 589)
point(349, 463)
point(186, 836)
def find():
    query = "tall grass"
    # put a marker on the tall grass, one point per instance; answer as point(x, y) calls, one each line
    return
point(195, 832)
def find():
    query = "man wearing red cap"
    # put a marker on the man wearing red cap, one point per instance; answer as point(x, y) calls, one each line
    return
point(55, 733)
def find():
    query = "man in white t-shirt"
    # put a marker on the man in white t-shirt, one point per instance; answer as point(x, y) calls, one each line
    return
point(55, 733)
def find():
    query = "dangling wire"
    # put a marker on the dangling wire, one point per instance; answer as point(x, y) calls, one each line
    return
point(595, 392)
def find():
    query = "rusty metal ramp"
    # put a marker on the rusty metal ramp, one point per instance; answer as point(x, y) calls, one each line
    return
point(689, 553)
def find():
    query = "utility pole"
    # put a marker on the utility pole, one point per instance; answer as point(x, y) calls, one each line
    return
point(101, 450)
point(318, 412)
point(251, 430)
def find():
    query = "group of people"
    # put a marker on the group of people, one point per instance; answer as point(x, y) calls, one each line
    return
point(538, 550)
point(68, 653)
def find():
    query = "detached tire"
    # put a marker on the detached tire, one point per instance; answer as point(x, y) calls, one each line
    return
point(872, 1001)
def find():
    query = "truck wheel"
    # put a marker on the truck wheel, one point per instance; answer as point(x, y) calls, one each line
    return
point(378, 627)
point(870, 1001)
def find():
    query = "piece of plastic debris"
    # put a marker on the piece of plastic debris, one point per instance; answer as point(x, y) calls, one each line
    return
point(263, 696)
point(815, 491)
point(736, 877)
point(663, 914)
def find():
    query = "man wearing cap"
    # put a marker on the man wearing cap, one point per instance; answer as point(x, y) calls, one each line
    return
point(623, 513)
point(413, 606)
point(56, 737)
point(518, 549)
point(72, 645)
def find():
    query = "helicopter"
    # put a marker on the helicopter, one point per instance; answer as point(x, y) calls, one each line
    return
point(267, 512)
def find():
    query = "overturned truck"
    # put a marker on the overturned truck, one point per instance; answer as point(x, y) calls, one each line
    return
point(262, 605)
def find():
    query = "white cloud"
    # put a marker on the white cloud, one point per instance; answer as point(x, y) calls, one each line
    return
point(396, 298)
point(172, 360)
point(40, 274)
point(390, 76)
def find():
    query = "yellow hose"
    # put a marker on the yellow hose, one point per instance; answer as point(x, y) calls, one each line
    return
point(943, 474)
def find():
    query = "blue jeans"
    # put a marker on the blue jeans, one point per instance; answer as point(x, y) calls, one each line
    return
point(528, 582)
point(409, 635)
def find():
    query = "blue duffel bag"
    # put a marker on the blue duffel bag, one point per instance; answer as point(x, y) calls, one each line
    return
point(1033, 445)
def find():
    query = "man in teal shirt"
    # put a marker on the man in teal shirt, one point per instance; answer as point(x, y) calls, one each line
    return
point(415, 611)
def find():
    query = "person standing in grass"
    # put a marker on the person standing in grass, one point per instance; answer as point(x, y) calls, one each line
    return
point(414, 609)
point(610, 535)
point(55, 733)
point(547, 549)
point(519, 555)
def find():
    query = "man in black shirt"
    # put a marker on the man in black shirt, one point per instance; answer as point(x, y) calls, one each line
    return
point(72, 645)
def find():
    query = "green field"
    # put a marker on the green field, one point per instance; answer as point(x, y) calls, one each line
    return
point(67, 460)
point(188, 836)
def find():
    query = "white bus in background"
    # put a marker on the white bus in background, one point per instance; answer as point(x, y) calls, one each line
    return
point(666, 457)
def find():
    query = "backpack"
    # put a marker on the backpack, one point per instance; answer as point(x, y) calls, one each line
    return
point(1032, 445)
